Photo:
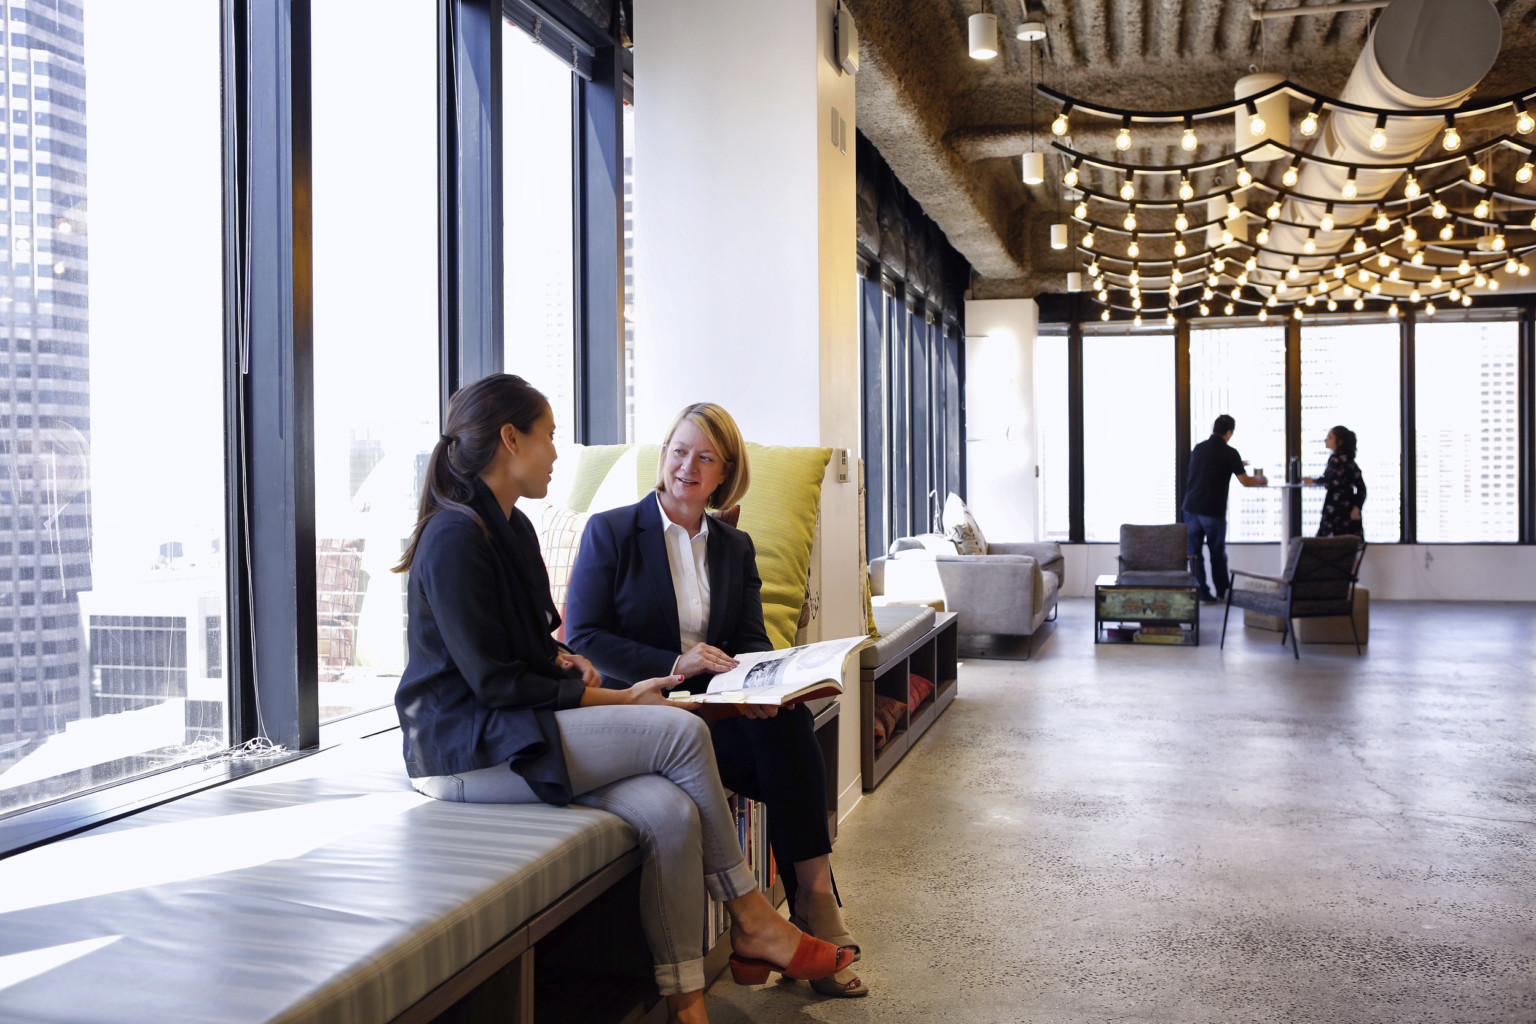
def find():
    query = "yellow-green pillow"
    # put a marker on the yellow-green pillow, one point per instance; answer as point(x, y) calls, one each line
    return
point(779, 512)
point(595, 460)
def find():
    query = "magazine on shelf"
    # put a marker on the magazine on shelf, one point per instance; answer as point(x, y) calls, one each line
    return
point(778, 678)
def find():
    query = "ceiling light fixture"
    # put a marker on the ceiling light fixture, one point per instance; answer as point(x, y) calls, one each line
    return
point(983, 36)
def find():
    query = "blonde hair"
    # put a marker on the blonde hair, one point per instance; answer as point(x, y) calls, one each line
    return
point(725, 437)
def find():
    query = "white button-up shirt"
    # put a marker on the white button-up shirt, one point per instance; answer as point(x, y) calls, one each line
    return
point(688, 558)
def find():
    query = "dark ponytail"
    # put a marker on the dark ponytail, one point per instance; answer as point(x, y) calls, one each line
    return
point(476, 414)
point(1343, 441)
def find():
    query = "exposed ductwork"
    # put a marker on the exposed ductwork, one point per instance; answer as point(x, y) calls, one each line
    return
point(1421, 55)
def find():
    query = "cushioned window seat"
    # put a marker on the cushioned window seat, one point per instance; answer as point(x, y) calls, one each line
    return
point(323, 890)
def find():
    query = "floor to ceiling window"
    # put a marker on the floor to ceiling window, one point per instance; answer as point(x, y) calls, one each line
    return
point(1240, 371)
point(1128, 437)
point(1467, 431)
point(376, 325)
point(112, 499)
point(1350, 377)
point(538, 183)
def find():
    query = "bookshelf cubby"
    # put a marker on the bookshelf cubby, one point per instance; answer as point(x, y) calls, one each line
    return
point(932, 654)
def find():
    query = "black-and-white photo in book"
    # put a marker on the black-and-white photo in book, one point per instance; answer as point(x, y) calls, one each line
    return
point(781, 677)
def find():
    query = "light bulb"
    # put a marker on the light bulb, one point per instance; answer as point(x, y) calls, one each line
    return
point(1137, 319)
point(1135, 277)
point(1525, 173)
point(1493, 284)
point(1476, 175)
point(1170, 320)
point(1512, 266)
point(1133, 250)
point(1263, 313)
point(1326, 223)
point(1349, 191)
point(1263, 236)
point(1273, 213)
point(1226, 237)
point(1310, 300)
point(1364, 276)
point(1272, 301)
point(1451, 139)
point(1208, 293)
point(1417, 259)
point(1296, 314)
point(1309, 246)
point(1177, 275)
point(1376, 288)
point(1379, 138)
point(1213, 280)
point(1127, 190)
point(1219, 265)
point(1256, 125)
point(1309, 124)
point(1383, 260)
point(1179, 248)
point(1130, 221)
point(1136, 304)
point(1123, 139)
point(1059, 126)
point(1070, 178)
point(1464, 267)
point(1359, 304)
point(1524, 123)
point(1205, 310)
point(1088, 240)
point(1437, 281)
point(1338, 270)
point(1447, 233)
point(1233, 210)
point(1525, 269)
point(1251, 262)
point(1429, 308)
point(1080, 211)
point(1186, 190)
point(1293, 272)
point(1411, 190)
point(1104, 315)
point(1382, 222)
point(1480, 211)
point(1093, 269)
point(1359, 243)
point(1290, 177)
point(58, 268)
point(1181, 222)
point(1189, 142)
point(1333, 304)
point(1243, 177)
point(1242, 278)
point(1479, 281)
point(1395, 275)
point(1394, 310)
point(1410, 233)
point(1438, 211)
point(64, 227)
point(1229, 308)
point(1414, 296)
point(1466, 300)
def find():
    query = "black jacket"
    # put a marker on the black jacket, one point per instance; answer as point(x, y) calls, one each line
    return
point(621, 610)
point(481, 685)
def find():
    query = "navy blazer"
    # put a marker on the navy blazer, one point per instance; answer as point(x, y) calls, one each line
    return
point(621, 610)
point(480, 686)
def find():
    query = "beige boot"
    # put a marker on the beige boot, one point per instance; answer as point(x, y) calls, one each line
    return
point(818, 914)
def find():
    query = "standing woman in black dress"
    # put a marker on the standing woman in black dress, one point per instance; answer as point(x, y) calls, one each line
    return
point(1345, 498)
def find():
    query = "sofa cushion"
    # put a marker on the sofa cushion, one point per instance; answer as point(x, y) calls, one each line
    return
point(1162, 548)
point(779, 512)
point(937, 543)
point(888, 712)
point(962, 527)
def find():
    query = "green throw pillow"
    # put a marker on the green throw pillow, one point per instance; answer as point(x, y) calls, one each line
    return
point(595, 460)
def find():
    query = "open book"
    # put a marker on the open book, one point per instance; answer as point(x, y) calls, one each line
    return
point(789, 676)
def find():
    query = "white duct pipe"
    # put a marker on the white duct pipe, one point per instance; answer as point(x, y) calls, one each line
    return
point(1421, 55)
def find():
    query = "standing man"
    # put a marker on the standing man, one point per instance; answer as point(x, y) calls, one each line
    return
point(1211, 466)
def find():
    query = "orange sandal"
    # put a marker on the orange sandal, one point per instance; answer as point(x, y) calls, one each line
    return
point(813, 959)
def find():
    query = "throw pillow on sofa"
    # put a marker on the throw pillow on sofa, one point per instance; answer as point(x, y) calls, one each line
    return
point(962, 527)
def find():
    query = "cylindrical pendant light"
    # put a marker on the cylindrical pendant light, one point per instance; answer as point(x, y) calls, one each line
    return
point(1058, 236)
point(983, 36)
point(1074, 281)
point(1034, 168)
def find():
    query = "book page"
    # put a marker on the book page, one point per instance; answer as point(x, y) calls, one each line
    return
point(770, 677)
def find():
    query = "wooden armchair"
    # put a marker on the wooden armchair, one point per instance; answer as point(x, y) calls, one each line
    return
point(1319, 580)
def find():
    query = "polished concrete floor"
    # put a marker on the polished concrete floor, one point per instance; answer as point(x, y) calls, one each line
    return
point(1123, 833)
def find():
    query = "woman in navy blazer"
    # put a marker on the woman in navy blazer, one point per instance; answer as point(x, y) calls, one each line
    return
point(492, 710)
point(661, 589)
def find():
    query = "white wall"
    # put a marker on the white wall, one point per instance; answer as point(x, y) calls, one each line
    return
point(999, 416)
point(1392, 572)
point(744, 256)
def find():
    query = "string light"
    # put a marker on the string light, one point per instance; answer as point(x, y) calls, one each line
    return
point(1464, 267)
point(1189, 142)
point(1256, 125)
point(1524, 123)
point(1310, 245)
point(1338, 270)
point(1059, 127)
point(1333, 304)
point(1429, 308)
point(1088, 240)
point(1410, 234)
point(1233, 210)
point(1291, 175)
point(1244, 178)
point(1104, 315)
point(1127, 190)
point(1438, 211)
point(1205, 310)
point(1394, 310)
point(1524, 174)
point(1070, 178)
point(1383, 222)
point(1229, 309)
point(1181, 222)
point(1263, 313)
point(1359, 243)
point(1476, 175)
point(1130, 219)
point(1123, 137)
point(1297, 313)
point(1170, 319)
point(1480, 211)
point(1080, 211)
point(1417, 259)
point(1251, 262)
point(1383, 260)
point(1327, 222)
point(1349, 191)
point(1309, 123)
point(1359, 304)
point(1179, 248)
point(1134, 249)
point(1273, 213)
point(1411, 189)
point(1186, 190)
point(1379, 134)
point(1263, 236)
point(1512, 266)
point(1292, 272)
point(1451, 140)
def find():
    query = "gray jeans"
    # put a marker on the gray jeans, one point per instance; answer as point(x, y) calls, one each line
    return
point(654, 767)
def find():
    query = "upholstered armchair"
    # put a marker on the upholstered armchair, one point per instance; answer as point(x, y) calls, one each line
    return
point(1154, 556)
point(1319, 580)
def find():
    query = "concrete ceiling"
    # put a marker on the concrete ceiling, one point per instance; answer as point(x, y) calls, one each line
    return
point(953, 129)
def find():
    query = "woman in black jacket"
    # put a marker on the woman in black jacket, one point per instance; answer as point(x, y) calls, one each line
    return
point(1345, 497)
point(493, 711)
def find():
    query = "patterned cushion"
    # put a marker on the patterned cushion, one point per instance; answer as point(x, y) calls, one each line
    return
point(559, 531)
point(962, 527)
point(888, 711)
point(918, 690)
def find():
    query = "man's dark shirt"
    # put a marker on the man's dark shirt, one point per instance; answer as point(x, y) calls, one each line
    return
point(1212, 465)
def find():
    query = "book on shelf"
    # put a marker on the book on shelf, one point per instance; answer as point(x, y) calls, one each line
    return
point(1158, 638)
point(752, 833)
point(778, 678)
point(1161, 631)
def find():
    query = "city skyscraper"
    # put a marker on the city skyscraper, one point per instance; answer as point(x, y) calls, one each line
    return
point(45, 495)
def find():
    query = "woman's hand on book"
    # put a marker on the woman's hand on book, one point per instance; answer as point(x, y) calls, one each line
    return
point(759, 710)
point(648, 691)
point(701, 657)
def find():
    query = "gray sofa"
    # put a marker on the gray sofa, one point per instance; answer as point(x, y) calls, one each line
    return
point(1011, 590)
